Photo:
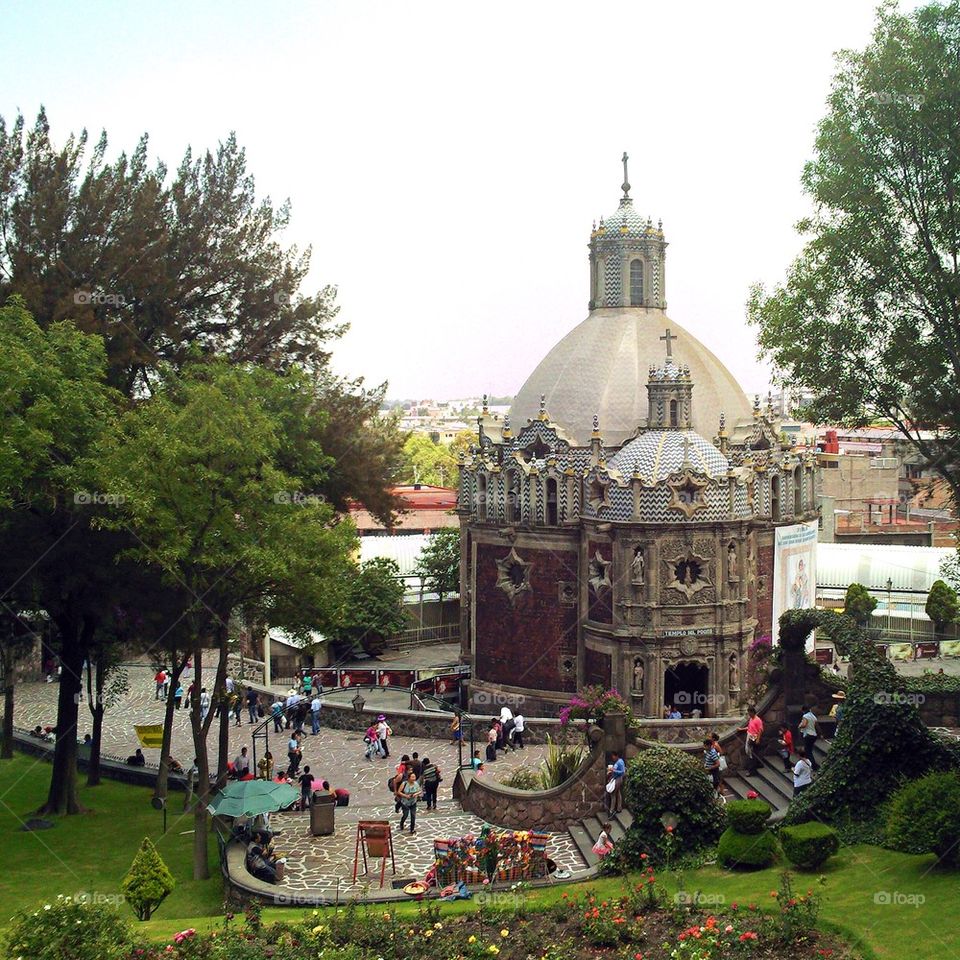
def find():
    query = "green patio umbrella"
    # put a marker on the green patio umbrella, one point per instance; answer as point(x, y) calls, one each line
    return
point(248, 798)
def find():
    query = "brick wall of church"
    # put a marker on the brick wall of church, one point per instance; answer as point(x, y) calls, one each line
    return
point(524, 643)
point(596, 668)
point(600, 606)
point(764, 588)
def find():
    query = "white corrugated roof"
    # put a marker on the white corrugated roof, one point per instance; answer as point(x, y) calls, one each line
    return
point(405, 550)
point(910, 568)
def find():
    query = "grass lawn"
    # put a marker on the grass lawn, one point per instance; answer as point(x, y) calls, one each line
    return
point(91, 852)
point(870, 893)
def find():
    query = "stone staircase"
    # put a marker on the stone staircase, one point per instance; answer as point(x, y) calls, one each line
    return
point(772, 782)
point(585, 832)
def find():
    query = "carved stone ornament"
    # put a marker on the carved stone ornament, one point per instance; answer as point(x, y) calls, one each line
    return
point(688, 573)
point(599, 573)
point(688, 646)
point(598, 493)
point(513, 575)
point(688, 494)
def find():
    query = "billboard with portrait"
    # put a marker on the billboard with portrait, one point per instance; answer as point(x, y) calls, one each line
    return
point(794, 572)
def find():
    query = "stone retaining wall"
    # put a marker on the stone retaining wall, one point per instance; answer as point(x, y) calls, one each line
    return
point(581, 796)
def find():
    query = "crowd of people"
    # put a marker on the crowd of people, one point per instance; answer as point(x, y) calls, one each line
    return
point(414, 779)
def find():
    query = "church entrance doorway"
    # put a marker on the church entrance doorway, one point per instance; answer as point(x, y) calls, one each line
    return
point(685, 688)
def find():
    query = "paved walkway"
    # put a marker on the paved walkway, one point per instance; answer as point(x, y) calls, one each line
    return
point(334, 755)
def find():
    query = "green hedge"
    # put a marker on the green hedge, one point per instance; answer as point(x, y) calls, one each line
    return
point(924, 817)
point(747, 816)
point(664, 780)
point(750, 850)
point(808, 845)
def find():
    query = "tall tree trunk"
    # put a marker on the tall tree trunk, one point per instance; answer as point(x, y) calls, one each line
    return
point(163, 776)
point(6, 750)
point(201, 865)
point(75, 637)
point(93, 764)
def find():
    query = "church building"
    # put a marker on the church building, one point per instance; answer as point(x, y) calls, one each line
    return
point(618, 525)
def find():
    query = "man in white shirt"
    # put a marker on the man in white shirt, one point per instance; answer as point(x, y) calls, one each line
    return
point(516, 734)
point(229, 684)
point(505, 714)
point(802, 774)
point(808, 730)
point(383, 731)
point(193, 778)
point(241, 765)
point(315, 706)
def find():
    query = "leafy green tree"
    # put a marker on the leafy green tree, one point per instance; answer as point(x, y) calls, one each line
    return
point(859, 604)
point(869, 316)
point(373, 607)
point(439, 562)
point(198, 470)
point(428, 462)
point(148, 881)
point(17, 638)
point(942, 606)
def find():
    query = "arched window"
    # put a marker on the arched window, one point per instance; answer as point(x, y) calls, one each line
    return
point(552, 509)
point(482, 496)
point(673, 413)
point(775, 498)
point(797, 492)
point(636, 283)
point(512, 510)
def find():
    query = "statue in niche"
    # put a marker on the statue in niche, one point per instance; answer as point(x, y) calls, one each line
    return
point(732, 562)
point(637, 565)
point(638, 675)
point(734, 672)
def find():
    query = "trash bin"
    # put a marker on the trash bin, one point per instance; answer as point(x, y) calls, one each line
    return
point(321, 813)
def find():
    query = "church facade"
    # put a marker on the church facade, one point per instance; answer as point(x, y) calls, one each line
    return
point(617, 527)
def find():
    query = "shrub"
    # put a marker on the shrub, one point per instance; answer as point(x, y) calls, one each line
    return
point(68, 929)
point(751, 850)
point(664, 780)
point(747, 816)
point(924, 817)
point(808, 845)
point(148, 882)
point(859, 604)
point(942, 607)
point(523, 778)
point(560, 764)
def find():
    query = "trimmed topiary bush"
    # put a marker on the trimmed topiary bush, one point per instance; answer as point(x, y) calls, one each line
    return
point(747, 816)
point(148, 882)
point(747, 850)
point(808, 845)
point(664, 780)
point(924, 817)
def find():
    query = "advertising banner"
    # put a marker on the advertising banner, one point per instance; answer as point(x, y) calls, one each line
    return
point(794, 572)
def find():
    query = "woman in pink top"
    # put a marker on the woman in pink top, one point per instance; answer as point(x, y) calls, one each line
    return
point(754, 731)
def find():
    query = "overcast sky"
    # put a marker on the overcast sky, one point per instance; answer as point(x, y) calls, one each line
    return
point(446, 160)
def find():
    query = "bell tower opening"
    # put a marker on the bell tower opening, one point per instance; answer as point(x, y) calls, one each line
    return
point(685, 688)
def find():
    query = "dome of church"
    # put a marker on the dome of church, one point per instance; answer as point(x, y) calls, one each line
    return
point(627, 222)
point(657, 454)
point(601, 367)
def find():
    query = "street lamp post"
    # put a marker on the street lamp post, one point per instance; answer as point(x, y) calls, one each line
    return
point(358, 702)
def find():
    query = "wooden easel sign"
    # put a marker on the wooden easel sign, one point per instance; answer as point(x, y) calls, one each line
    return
point(374, 840)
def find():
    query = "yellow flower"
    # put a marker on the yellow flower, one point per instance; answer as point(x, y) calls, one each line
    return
point(428, 933)
point(472, 939)
point(318, 929)
point(438, 926)
point(504, 932)
point(493, 948)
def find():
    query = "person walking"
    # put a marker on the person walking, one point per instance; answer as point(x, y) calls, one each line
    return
point(383, 732)
point(416, 765)
point(785, 747)
point(430, 780)
point(711, 763)
point(516, 734)
point(160, 680)
point(294, 753)
point(306, 786)
point(492, 737)
point(236, 702)
point(276, 711)
point(372, 741)
point(802, 772)
point(615, 796)
point(456, 734)
point(754, 731)
point(307, 685)
point(204, 704)
point(409, 794)
point(315, 706)
point(399, 776)
point(178, 696)
point(808, 730)
point(253, 704)
point(188, 699)
point(193, 779)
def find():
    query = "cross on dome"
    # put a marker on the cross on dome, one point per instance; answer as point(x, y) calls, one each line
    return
point(669, 338)
point(625, 186)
